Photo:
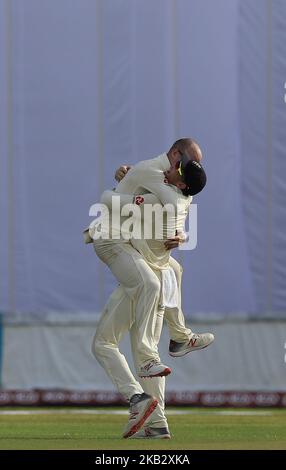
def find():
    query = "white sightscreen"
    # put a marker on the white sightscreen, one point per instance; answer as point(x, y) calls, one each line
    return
point(86, 85)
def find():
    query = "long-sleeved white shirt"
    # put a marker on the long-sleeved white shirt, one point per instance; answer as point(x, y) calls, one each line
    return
point(148, 176)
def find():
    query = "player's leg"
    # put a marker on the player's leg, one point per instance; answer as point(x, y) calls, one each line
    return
point(174, 317)
point(183, 339)
point(144, 288)
point(156, 424)
point(115, 321)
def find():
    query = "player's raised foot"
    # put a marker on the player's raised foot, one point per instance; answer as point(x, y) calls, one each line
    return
point(197, 341)
point(152, 433)
point(141, 407)
point(154, 369)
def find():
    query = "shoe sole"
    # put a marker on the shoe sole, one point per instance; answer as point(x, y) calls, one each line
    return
point(180, 354)
point(135, 428)
point(164, 373)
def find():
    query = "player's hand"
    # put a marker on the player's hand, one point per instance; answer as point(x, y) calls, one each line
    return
point(121, 172)
point(174, 242)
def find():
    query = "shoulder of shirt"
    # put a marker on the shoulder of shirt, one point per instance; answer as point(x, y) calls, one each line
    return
point(160, 162)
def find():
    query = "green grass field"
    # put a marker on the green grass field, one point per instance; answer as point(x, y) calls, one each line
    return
point(200, 429)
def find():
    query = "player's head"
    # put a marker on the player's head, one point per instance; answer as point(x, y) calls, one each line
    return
point(187, 175)
point(185, 146)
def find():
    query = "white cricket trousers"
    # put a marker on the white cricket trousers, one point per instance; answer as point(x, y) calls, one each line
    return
point(142, 286)
point(116, 320)
point(119, 317)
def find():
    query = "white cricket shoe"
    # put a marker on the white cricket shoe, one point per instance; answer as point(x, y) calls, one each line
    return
point(152, 433)
point(196, 342)
point(154, 369)
point(141, 407)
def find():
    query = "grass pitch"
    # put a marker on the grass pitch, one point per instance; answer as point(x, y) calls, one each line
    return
point(195, 429)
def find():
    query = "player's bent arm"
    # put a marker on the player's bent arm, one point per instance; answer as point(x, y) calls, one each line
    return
point(151, 179)
point(173, 201)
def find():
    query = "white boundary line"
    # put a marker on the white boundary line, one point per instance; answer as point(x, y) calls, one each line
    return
point(106, 411)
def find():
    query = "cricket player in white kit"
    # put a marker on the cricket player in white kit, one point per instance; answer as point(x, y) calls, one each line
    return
point(143, 309)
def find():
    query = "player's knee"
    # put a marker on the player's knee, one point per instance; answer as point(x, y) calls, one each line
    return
point(97, 347)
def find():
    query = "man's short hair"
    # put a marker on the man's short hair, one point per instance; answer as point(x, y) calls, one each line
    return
point(182, 144)
point(187, 145)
